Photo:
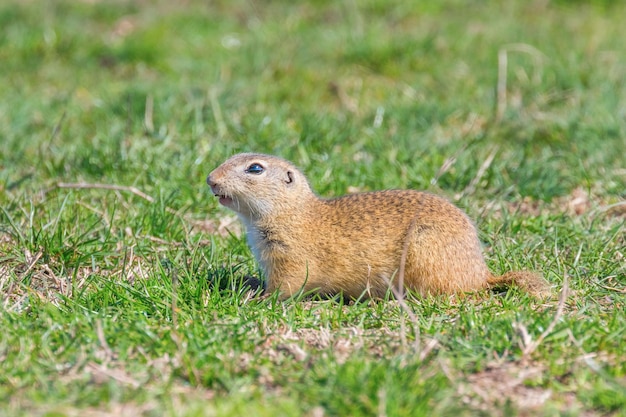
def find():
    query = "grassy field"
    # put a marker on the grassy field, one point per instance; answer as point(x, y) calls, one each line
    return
point(120, 276)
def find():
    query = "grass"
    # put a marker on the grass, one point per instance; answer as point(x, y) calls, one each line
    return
point(124, 299)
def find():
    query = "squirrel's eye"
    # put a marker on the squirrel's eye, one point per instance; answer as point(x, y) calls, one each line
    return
point(255, 169)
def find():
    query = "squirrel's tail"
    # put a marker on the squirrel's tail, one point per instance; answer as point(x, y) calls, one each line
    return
point(531, 282)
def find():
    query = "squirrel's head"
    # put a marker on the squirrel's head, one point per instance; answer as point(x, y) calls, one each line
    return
point(257, 185)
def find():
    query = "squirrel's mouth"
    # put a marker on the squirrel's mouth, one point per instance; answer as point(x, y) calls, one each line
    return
point(224, 200)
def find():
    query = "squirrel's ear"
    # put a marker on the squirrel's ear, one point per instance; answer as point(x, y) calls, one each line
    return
point(290, 178)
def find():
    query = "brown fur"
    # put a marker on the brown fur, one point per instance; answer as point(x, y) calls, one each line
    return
point(358, 244)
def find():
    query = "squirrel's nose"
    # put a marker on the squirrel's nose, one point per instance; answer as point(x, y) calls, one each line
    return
point(209, 181)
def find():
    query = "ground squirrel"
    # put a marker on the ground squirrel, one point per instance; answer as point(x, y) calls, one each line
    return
point(357, 245)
